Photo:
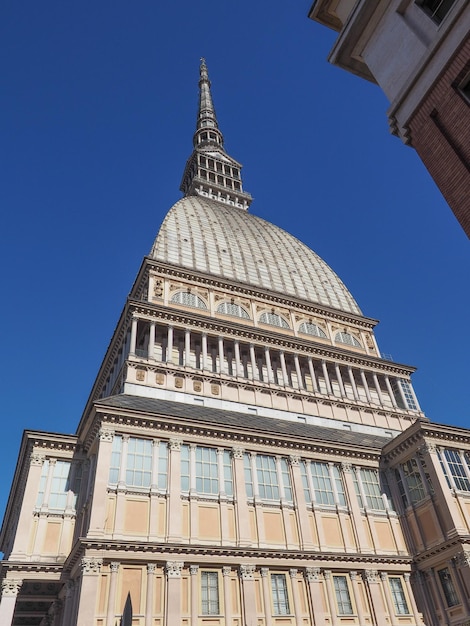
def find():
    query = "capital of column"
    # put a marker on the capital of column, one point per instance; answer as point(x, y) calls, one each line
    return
point(264, 572)
point(293, 572)
point(174, 444)
point(193, 570)
point(327, 574)
point(37, 458)
point(69, 587)
point(91, 565)
point(383, 576)
point(114, 566)
point(347, 467)
point(353, 575)
point(371, 575)
point(312, 574)
point(238, 452)
point(294, 460)
point(226, 570)
point(428, 446)
point(106, 433)
point(407, 576)
point(151, 568)
point(247, 572)
point(173, 569)
point(11, 586)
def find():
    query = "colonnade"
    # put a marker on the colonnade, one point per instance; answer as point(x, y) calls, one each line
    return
point(261, 363)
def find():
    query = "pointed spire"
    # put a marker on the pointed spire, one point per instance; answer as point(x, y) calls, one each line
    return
point(209, 171)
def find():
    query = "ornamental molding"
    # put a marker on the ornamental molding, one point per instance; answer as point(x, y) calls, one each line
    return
point(313, 574)
point(174, 569)
point(11, 586)
point(230, 287)
point(371, 576)
point(247, 572)
point(238, 452)
point(164, 427)
point(91, 565)
point(293, 572)
point(175, 444)
point(106, 433)
point(226, 570)
point(37, 458)
point(114, 566)
point(151, 568)
point(193, 569)
point(294, 460)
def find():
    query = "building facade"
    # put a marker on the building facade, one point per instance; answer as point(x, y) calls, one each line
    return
point(418, 52)
point(247, 457)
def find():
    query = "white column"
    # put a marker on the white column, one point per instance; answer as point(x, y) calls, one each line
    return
point(111, 610)
point(151, 349)
point(295, 594)
point(377, 387)
point(353, 383)
point(221, 355)
point(280, 482)
point(169, 345)
point(340, 380)
point(254, 475)
point(187, 347)
point(238, 369)
point(151, 567)
point(331, 596)
point(155, 454)
point(194, 573)
point(388, 597)
point(10, 590)
point(317, 611)
point(285, 379)
point(123, 466)
point(47, 490)
point(300, 380)
point(204, 351)
point(311, 369)
point(91, 568)
point(226, 571)
point(248, 594)
point(411, 597)
point(390, 391)
point(253, 362)
point(264, 571)
point(357, 597)
point(365, 385)
point(326, 377)
point(133, 335)
point(268, 364)
point(173, 572)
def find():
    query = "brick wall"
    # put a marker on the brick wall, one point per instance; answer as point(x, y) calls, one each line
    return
point(440, 133)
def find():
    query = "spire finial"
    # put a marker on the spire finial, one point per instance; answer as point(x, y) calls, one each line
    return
point(210, 172)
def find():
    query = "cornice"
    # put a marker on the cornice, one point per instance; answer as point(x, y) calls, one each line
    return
point(162, 550)
point(191, 319)
point(165, 426)
point(425, 555)
point(246, 289)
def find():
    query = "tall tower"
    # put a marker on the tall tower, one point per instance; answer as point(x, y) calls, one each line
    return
point(227, 469)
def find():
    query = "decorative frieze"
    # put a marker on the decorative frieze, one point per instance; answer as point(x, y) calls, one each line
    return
point(312, 574)
point(106, 433)
point(174, 568)
point(37, 458)
point(11, 586)
point(247, 572)
point(91, 565)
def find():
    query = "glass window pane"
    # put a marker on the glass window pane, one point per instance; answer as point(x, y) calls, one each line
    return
point(343, 598)
point(279, 591)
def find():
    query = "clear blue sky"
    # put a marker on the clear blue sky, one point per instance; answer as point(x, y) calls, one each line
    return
point(97, 111)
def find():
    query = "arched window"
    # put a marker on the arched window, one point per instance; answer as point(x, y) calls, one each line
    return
point(188, 299)
point(229, 308)
point(348, 339)
point(273, 319)
point(311, 329)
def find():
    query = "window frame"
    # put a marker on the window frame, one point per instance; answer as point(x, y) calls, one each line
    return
point(399, 599)
point(447, 585)
point(432, 12)
point(184, 298)
point(343, 596)
point(268, 318)
point(210, 595)
point(279, 594)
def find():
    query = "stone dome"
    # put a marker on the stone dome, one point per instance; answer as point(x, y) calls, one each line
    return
point(206, 236)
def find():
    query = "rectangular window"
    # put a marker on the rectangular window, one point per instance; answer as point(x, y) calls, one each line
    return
point(280, 597)
point(457, 469)
point(210, 593)
point(327, 483)
point(184, 452)
point(207, 478)
point(248, 476)
point(115, 460)
point(398, 596)
point(267, 477)
point(371, 486)
point(436, 9)
point(286, 480)
point(413, 480)
point(59, 485)
point(228, 481)
point(408, 394)
point(343, 599)
point(139, 462)
point(448, 588)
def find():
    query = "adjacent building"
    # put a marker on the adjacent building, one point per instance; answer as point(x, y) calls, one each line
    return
point(418, 52)
point(247, 457)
